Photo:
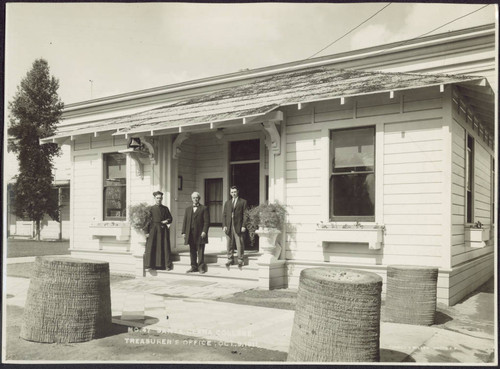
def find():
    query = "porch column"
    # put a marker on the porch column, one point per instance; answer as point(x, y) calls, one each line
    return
point(272, 268)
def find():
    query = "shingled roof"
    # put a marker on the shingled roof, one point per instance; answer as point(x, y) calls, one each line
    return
point(255, 98)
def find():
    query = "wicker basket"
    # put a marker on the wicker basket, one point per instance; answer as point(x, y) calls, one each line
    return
point(68, 300)
point(411, 294)
point(337, 318)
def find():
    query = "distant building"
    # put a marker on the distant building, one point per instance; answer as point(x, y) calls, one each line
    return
point(397, 155)
point(49, 229)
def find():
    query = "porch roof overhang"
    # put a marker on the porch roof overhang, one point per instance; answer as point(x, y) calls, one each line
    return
point(249, 101)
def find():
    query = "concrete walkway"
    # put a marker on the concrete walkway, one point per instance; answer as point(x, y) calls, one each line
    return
point(185, 306)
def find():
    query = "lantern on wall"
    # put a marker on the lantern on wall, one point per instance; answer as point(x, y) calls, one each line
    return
point(134, 143)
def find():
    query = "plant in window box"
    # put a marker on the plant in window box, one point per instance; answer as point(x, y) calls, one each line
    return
point(266, 220)
point(140, 218)
point(477, 234)
point(351, 233)
point(107, 228)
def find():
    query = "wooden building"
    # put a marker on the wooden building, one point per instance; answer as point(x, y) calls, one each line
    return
point(379, 157)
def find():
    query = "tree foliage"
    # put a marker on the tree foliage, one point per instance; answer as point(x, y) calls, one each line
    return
point(34, 114)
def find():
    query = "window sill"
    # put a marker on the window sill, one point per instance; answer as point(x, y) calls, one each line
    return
point(120, 230)
point(373, 235)
point(477, 237)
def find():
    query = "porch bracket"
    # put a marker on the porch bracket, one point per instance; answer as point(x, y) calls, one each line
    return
point(273, 138)
point(150, 144)
point(146, 154)
point(176, 149)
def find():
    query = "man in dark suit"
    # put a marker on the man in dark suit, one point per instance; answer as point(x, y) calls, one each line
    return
point(195, 232)
point(234, 226)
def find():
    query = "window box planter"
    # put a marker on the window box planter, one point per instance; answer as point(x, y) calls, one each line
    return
point(477, 237)
point(372, 235)
point(120, 230)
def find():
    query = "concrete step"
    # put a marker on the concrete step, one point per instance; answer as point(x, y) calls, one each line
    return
point(212, 273)
point(220, 258)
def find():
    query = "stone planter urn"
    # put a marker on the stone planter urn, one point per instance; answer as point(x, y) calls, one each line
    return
point(138, 248)
point(267, 242)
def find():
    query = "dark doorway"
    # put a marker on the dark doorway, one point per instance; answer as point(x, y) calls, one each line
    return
point(246, 177)
point(245, 174)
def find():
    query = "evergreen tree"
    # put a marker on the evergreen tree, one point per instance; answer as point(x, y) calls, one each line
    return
point(34, 114)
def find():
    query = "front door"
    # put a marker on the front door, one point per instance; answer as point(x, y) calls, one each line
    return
point(244, 160)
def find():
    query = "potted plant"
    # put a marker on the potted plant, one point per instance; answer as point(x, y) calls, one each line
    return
point(139, 218)
point(266, 220)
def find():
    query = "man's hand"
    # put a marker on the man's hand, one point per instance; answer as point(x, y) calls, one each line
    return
point(224, 229)
point(203, 235)
point(243, 229)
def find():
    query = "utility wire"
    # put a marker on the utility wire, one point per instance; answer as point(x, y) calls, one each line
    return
point(454, 20)
point(345, 34)
point(435, 29)
point(422, 35)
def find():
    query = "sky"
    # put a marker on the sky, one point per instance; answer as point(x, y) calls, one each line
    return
point(124, 47)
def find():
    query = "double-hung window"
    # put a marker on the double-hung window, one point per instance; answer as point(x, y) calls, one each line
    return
point(469, 180)
point(352, 179)
point(115, 186)
point(213, 199)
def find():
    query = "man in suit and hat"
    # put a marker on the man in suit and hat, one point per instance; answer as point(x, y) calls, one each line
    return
point(234, 226)
point(195, 232)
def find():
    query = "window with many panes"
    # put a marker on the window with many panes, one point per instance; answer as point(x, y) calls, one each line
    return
point(469, 180)
point(115, 186)
point(352, 177)
point(213, 199)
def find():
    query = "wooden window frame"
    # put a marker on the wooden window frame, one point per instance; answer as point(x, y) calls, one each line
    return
point(352, 218)
point(469, 178)
point(208, 202)
point(104, 187)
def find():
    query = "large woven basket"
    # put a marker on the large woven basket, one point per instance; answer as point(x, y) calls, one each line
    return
point(337, 318)
point(68, 300)
point(411, 294)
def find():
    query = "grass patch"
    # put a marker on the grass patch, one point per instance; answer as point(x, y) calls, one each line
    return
point(24, 270)
point(23, 248)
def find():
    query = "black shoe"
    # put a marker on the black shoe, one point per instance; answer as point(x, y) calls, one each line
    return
point(202, 271)
point(169, 268)
point(240, 265)
point(192, 270)
point(228, 264)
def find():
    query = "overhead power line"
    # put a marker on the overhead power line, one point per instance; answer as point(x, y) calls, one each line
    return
point(401, 43)
point(454, 20)
point(353, 29)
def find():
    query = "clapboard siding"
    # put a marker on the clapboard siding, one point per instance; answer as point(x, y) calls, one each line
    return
point(413, 179)
point(413, 185)
point(87, 191)
point(87, 168)
point(466, 278)
point(187, 169)
point(461, 252)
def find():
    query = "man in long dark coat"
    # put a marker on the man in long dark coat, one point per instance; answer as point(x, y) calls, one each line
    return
point(158, 255)
point(195, 231)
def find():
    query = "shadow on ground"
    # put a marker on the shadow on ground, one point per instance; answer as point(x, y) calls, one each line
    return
point(392, 356)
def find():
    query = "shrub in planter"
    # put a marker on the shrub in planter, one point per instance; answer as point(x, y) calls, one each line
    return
point(270, 215)
point(140, 216)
